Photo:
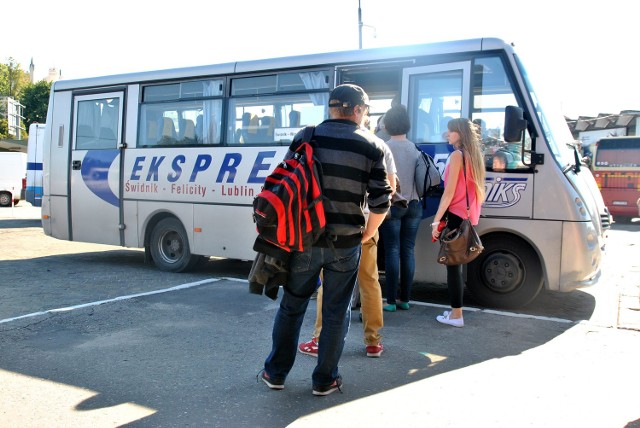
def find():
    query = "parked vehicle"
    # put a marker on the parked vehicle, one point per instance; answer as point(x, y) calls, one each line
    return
point(33, 193)
point(616, 167)
point(171, 160)
point(13, 170)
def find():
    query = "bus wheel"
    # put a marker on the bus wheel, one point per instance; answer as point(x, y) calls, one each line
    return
point(507, 274)
point(169, 246)
point(5, 199)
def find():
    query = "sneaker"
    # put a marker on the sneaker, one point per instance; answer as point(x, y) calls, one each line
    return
point(454, 322)
point(328, 389)
point(374, 351)
point(403, 305)
point(310, 347)
point(270, 383)
point(391, 307)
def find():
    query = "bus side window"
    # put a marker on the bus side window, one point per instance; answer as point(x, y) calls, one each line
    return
point(294, 118)
point(168, 132)
point(84, 136)
point(107, 138)
point(187, 132)
point(249, 129)
point(266, 128)
point(424, 126)
point(199, 130)
point(152, 132)
point(492, 92)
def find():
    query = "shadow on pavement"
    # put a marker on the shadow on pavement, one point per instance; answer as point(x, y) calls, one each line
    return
point(19, 223)
point(192, 356)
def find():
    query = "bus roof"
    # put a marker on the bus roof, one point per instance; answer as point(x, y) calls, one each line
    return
point(341, 57)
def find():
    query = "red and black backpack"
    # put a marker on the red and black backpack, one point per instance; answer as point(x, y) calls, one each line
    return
point(289, 211)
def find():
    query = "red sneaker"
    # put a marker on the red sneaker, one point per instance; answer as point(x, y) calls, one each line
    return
point(310, 347)
point(374, 351)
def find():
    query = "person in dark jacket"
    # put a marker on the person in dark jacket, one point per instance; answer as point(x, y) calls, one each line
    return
point(354, 175)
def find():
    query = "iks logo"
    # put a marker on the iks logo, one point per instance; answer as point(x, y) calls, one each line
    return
point(503, 192)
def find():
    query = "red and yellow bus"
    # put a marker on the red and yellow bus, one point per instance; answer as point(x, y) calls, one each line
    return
point(616, 168)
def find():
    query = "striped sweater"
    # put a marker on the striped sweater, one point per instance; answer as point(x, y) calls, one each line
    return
point(354, 173)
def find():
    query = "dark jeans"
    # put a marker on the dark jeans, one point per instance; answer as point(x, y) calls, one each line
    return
point(399, 236)
point(340, 270)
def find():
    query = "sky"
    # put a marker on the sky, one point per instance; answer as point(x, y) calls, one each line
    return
point(584, 53)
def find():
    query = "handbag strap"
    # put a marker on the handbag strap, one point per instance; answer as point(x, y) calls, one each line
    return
point(466, 189)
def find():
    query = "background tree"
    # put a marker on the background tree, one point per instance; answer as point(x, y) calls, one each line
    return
point(12, 79)
point(4, 128)
point(35, 99)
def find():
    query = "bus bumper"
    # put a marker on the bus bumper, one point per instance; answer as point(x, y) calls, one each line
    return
point(582, 253)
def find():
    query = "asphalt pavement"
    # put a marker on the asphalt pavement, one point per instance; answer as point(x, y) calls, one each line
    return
point(152, 349)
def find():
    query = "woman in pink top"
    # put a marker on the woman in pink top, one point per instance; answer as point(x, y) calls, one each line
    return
point(463, 137)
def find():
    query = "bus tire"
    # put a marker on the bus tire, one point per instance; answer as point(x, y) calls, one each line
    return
point(5, 199)
point(169, 246)
point(508, 273)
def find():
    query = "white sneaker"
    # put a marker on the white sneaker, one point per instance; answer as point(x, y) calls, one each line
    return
point(454, 322)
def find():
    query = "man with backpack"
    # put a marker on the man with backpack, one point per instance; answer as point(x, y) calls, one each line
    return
point(354, 172)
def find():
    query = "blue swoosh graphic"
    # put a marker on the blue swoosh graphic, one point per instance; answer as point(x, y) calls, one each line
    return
point(95, 174)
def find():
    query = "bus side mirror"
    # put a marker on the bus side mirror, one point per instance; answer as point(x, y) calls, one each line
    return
point(514, 124)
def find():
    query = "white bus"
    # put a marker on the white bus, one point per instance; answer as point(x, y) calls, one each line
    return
point(34, 164)
point(171, 160)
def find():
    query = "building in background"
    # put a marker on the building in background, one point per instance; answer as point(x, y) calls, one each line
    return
point(12, 111)
point(52, 76)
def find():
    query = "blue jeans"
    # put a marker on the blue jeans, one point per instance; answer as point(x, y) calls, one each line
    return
point(340, 270)
point(399, 237)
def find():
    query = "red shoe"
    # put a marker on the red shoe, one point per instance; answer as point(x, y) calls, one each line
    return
point(310, 347)
point(374, 351)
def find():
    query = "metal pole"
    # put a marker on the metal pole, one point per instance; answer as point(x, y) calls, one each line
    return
point(359, 26)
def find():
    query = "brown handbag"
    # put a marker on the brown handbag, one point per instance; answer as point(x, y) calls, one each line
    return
point(462, 245)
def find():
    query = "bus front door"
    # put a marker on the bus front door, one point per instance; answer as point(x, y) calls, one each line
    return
point(95, 168)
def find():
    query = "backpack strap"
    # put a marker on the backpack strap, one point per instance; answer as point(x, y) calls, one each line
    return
point(307, 135)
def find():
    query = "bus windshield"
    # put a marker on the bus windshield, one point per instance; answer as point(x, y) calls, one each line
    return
point(552, 121)
point(615, 153)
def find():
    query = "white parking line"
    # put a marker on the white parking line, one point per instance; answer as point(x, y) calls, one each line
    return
point(206, 281)
point(115, 299)
point(500, 313)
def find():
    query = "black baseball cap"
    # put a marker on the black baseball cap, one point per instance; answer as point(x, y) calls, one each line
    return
point(348, 95)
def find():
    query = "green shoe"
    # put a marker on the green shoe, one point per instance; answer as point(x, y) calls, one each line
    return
point(389, 308)
point(403, 305)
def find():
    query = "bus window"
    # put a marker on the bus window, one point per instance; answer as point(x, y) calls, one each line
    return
point(255, 118)
point(436, 98)
point(97, 124)
point(272, 109)
point(273, 119)
point(492, 92)
point(181, 114)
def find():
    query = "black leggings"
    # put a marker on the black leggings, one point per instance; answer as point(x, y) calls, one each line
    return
point(455, 283)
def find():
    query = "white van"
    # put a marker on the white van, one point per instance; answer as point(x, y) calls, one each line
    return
point(13, 172)
point(34, 164)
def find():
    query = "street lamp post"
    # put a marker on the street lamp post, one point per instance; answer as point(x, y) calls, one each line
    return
point(359, 26)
